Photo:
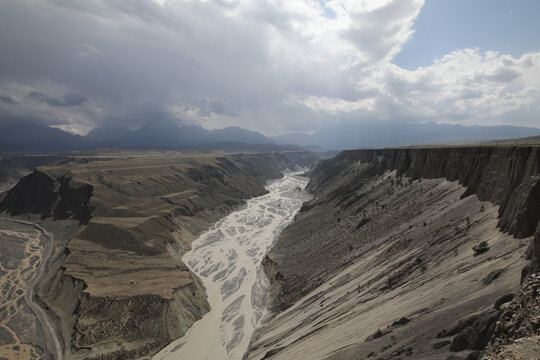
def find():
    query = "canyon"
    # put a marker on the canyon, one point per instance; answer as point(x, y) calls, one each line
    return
point(114, 285)
point(398, 253)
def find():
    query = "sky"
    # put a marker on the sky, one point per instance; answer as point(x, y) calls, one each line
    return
point(274, 66)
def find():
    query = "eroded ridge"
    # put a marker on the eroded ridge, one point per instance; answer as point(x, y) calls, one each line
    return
point(227, 259)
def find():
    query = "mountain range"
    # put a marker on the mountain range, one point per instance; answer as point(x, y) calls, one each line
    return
point(28, 137)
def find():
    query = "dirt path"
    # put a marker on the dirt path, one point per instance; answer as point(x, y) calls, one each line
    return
point(19, 283)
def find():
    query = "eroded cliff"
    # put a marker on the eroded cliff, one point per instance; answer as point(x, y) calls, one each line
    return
point(386, 261)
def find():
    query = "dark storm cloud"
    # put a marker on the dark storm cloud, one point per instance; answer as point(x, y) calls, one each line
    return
point(66, 101)
point(8, 100)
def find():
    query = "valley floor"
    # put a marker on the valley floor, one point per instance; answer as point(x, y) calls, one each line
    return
point(227, 259)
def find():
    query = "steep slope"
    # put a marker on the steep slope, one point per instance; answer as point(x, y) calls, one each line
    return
point(38, 138)
point(381, 263)
point(116, 285)
point(10, 173)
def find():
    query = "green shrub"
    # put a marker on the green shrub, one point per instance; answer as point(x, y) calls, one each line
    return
point(481, 248)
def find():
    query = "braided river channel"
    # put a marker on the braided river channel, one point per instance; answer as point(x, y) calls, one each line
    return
point(227, 259)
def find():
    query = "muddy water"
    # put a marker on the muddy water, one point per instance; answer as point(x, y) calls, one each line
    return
point(227, 259)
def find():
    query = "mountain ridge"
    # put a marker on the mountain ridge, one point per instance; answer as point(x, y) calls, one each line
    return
point(27, 137)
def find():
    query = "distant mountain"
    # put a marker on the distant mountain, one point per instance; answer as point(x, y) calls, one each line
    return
point(174, 136)
point(236, 134)
point(27, 137)
point(106, 134)
point(31, 138)
point(391, 135)
point(37, 138)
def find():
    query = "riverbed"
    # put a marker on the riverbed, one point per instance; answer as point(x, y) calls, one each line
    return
point(227, 259)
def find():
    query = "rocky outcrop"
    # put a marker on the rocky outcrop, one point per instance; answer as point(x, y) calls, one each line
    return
point(517, 330)
point(50, 196)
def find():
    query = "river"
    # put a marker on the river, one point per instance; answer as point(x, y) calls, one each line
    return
point(227, 259)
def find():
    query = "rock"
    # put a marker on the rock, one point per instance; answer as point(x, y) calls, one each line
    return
point(492, 276)
point(473, 332)
point(475, 355)
point(524, 273)
point(502, 300)
point(378, 334)
point(400, 322)
point(536, 244)
point(463, 340)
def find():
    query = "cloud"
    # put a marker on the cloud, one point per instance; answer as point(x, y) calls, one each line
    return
point(6, 99)
point(380, 33)
point(88, 51)
point(269, 65)
point(504, 75)
point(66, 101)
point(467, 86)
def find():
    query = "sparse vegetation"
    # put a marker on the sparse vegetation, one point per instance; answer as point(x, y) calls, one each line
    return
point(421, 264)
point(481, 248)
point(230, 202)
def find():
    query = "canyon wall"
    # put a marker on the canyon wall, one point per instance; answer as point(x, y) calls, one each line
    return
point(506, 176)
point(402, 252)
